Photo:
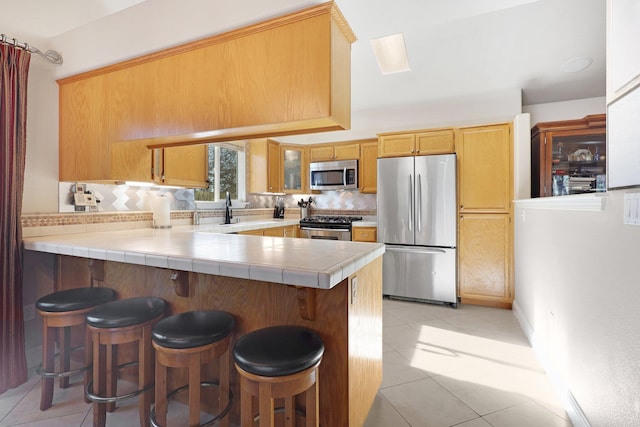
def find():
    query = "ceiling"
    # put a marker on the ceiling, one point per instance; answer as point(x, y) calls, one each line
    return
point(455, 47)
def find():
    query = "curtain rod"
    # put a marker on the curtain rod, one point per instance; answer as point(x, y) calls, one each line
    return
point(50, 55)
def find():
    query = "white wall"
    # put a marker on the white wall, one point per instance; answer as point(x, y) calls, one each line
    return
point(41, 166)
point(567, 110)
point(576, 287)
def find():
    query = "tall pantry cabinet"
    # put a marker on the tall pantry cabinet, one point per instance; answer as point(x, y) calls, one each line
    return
point(485, 226)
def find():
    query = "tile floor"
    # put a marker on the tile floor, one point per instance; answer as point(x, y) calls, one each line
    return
point(469, 367)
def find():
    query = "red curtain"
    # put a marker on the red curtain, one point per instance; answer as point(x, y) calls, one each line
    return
point(14, 69)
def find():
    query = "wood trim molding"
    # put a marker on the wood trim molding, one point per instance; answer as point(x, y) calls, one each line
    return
point(180, 281)
point(307, 303)
point(587, 122)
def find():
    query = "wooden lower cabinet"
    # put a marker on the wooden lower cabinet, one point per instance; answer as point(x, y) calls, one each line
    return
point(364, 234)
point(258, 232)
point(285, 231)
point(484, 259)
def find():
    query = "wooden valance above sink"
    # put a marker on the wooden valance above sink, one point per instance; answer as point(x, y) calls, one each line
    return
point(288, 75)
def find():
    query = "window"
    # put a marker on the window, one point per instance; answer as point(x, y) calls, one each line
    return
point(226, 172)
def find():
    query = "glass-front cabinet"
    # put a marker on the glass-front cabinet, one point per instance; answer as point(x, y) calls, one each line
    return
point(293, 164)
point(569, 157)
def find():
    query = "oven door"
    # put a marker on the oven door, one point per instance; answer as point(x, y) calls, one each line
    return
point(325, 233)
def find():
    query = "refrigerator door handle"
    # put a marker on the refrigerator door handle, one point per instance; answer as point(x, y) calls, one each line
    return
point(419, 203)
point(410, 202)
point(409, 249)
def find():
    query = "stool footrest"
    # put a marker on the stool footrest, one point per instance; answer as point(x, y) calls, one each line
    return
point(62, 374)
point(101, 399)
point(224, 412)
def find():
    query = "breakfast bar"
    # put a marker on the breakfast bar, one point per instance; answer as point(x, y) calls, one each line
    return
point(331, 287)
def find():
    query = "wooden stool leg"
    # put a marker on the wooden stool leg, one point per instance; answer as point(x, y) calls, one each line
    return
point(289, 412)
point(194, 390)
point(223, 386)
point(99, 381)
point(111, 375)
point(161, 393)
point(48, 351)
point(65, 354)
point(266, 405)
point(313, 410)
point(246, 410)
point(145, 375)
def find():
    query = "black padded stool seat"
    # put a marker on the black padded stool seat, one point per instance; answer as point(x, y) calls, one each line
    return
point(120, 322)
point(126, 312)
point(75, 299)
point(60, 311)
point(190, 340)
point(193, 329)
point(277, 351)
point(278, 362)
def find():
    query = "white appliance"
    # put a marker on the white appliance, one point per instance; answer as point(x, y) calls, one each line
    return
point(417, 222)
point(335, 175)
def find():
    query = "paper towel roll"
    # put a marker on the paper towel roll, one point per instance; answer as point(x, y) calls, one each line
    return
point(161, 212)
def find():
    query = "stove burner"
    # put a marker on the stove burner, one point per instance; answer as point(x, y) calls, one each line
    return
point(326, 221)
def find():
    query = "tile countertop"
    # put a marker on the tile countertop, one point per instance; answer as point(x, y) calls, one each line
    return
point(203, 249)
point(364, 223)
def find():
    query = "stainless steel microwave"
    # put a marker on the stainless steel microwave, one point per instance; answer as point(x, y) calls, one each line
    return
point(337, 175)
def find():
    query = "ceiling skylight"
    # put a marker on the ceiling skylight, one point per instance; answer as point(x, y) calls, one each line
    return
point(391, 53)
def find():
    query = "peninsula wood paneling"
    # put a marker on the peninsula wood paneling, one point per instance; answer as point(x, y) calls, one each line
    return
point(288, 75)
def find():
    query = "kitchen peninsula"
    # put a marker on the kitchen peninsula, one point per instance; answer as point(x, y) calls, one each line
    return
point(331, 287)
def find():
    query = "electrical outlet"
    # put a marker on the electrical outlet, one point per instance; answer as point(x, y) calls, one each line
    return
point(29, 312)
point(354, 289)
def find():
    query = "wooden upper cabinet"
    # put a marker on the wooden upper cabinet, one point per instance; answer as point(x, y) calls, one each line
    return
point(321, 153)
point(368, 178)
point(435, 142)
point(294, 169)
point(416, 143)
point(263, 166)
point(186, 166)
point(396, 145)
point(485, 168)
point(199, 92)
point(324, 152)
point(346, 152)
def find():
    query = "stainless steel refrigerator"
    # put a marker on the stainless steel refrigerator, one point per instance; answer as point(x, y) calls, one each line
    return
point(417, 222)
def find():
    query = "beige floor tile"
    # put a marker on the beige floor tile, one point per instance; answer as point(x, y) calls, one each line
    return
point(383, 414)
point(397, 370)
point(481, 391)
point(425, 403)
point(73, 420)
point(478, 422)
point(528, 414)
point(67, 401)
point(10, 398)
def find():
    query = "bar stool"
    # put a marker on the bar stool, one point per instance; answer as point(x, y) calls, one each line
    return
point(278, 362)
point(190, 340)
point(60, 311)
point(121, 322)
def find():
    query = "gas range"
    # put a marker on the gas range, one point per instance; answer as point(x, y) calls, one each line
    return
point(326, 221)
point(327, 227)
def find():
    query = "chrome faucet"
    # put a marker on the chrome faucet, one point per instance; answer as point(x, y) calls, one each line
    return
point(227, 211)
